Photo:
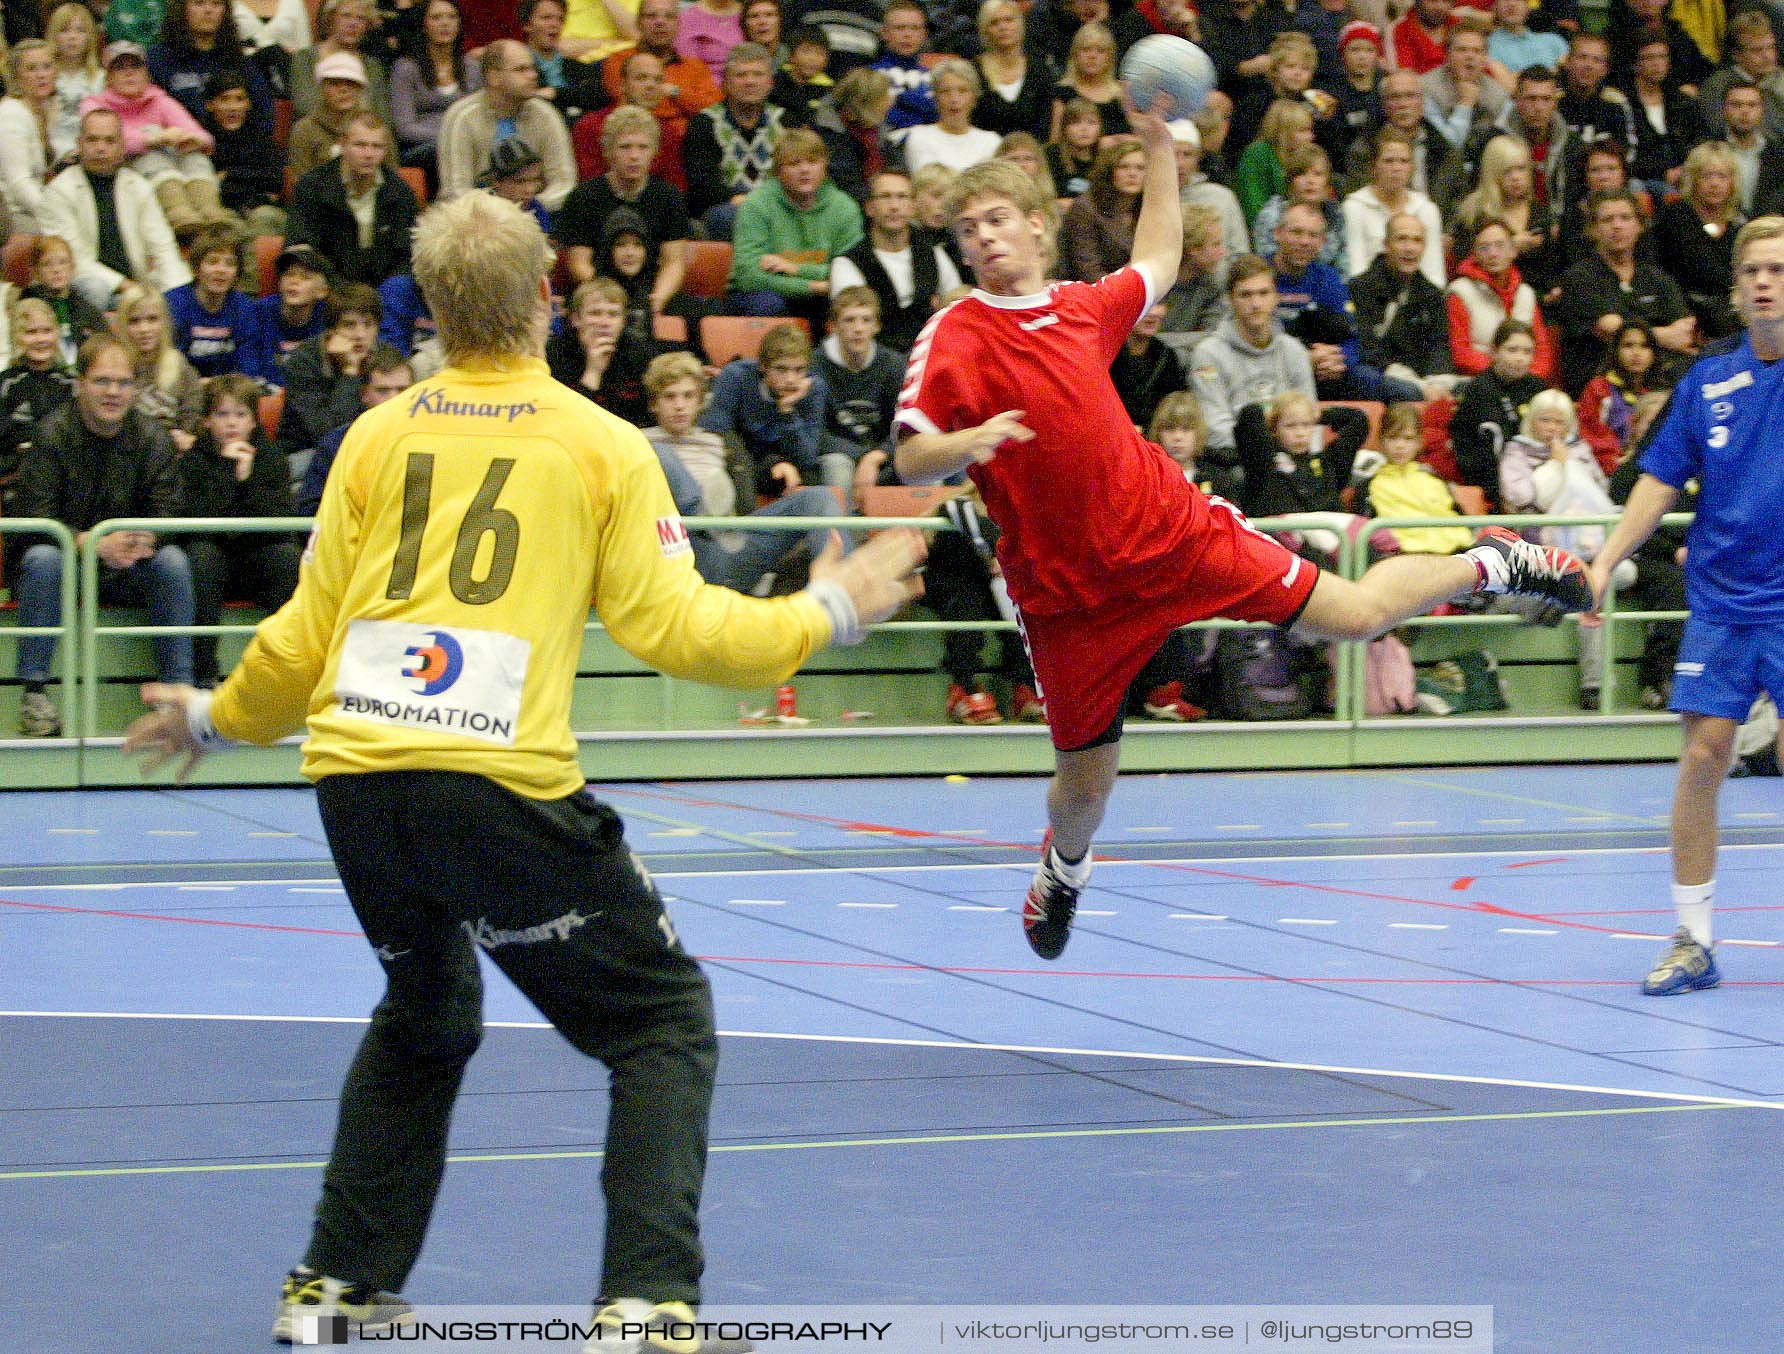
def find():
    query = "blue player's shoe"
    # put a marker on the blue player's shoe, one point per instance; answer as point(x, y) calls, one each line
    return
point(1685, 967)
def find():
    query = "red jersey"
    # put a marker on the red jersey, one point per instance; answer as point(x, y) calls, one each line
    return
point(1089, 511)
point(1414, 48)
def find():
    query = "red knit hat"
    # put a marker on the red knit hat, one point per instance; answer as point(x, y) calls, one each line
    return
point(1356, 29)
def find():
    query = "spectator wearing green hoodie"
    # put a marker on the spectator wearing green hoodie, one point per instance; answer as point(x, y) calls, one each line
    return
point(788, 230)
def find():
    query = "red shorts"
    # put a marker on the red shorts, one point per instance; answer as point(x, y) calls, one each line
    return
point(1084, 661)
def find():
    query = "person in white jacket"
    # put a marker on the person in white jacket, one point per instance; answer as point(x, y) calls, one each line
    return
point(1388, 193)
point(1549, 468)
point(25, 120)
point(150, 259)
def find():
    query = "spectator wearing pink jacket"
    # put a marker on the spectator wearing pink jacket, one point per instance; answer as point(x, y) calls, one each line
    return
point(162, 141)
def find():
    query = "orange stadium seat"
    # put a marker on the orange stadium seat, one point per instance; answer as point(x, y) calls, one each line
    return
point(266, 253)
point(727, 336)
point(709, 268)
point(15, 259)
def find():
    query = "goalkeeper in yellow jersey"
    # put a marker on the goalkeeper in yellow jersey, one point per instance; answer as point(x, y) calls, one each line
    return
point(431, 648)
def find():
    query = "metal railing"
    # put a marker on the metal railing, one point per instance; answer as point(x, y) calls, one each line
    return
point(1352, 562)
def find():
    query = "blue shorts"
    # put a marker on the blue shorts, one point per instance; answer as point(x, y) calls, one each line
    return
point(1721, 668)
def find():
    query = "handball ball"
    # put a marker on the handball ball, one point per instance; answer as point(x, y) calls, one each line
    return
point(1172, 66)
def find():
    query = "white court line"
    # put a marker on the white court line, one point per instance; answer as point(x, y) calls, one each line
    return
point(867, 905)
point(1416, 926)
point(1526, 931)
point(1213, 864)
point(1306, 921)
point(1638, 935)
point(1093, 912)
point(757, 902)
point(1198, 1059)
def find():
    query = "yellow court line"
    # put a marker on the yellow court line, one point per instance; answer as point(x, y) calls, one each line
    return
point(1648, 820)
point(927, 1140)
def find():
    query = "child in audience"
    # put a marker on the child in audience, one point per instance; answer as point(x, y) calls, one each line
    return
point(1260, 175)
point(1609, 404)
point(1406, 487)
point(864, 379)
point(325, 375)
point(1549, 468)
point(1492, 406)
point(780, 409)
point(250, 169)
point(37, 383)
point(162, 141)
point(1296, 460)
point(805, 77)
point(1179, 427)
point(711, 476)
point(73, 33)
point(598, 356)
point(231, 470)
point(213, 323)
point(52, 281)
point(294, 313)
point(1071, 154)
point(167, 388)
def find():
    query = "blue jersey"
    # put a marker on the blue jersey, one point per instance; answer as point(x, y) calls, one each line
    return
point(215, 342)
point(1725, 428)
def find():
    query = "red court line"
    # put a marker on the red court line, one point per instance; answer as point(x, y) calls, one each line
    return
point(1262, 881)
point(189, 921)
point(918, 968)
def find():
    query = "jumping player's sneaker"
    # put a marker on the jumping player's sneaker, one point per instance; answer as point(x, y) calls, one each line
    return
point(309, 1295)
point(1047, 911)
point(1544, 571)
point(633, 1326)
point(1685, 967)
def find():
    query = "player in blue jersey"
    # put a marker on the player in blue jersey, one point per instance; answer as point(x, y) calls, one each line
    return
point(1722, 431)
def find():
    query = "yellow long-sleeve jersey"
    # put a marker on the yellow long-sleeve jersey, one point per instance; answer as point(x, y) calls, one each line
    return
point(466, 528)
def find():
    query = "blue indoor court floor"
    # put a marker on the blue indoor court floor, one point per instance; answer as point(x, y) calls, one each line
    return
point(1346, 1038)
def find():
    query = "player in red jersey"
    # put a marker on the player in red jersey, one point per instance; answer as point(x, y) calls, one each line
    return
point(1105, 547)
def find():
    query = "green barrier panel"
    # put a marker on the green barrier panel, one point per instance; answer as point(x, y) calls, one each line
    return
point(1349, 673)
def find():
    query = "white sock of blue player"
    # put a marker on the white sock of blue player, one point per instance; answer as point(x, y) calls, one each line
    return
point(1693, 904)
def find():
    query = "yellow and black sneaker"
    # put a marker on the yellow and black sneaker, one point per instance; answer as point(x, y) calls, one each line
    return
point(634, 1326)
point(317, 1310)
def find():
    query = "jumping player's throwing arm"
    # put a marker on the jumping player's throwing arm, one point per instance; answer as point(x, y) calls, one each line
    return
point(1105, 548)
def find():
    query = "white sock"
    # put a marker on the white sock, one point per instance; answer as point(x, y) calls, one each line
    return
point(1692, 902)
point(1495, 575)
point(1074, 872)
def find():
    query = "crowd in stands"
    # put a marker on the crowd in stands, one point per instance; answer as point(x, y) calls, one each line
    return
point(1509, 230)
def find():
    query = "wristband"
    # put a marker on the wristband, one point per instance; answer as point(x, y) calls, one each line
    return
point(845, 622)
point(198, 722)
